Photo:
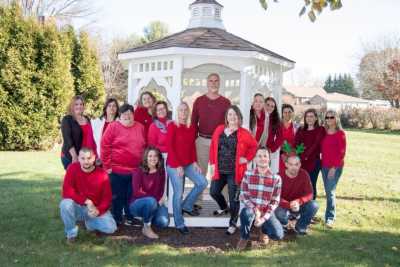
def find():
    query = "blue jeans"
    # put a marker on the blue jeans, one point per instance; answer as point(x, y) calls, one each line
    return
point(314, 177)
point(65, 162)
point(330, 191)
point(233, 192)
point(271, 227)
point(151, 212)
point(307, 212)
point(200, 183)
point(121, 187)
point(71, 212)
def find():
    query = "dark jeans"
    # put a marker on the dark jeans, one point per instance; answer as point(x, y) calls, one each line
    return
point(307, 212)
point(233, 191)
point(121, 187)
point(65, 162)
point(314, 177)
point(271, 227)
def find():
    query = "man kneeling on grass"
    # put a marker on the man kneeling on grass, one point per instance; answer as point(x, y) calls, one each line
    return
point(260, 195)
point(86, 197)
point(296, 196)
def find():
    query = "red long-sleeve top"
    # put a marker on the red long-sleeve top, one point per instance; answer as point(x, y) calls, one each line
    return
point(148, 184)
point(312, 146)
point(122, 147)
point(246, 148)
point(333, 150)
point(88, 139)
point(181, 145)
point(142, 115)
point(275, 138)
point(79, 186)
point(156, 137)
point(298, 188)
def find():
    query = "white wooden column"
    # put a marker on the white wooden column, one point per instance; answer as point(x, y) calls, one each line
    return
point(245, 96)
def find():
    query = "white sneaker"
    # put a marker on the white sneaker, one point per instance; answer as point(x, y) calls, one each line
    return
point(231, 230)
point(329, 224)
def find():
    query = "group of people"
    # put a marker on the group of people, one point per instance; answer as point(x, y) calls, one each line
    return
point(118, 165)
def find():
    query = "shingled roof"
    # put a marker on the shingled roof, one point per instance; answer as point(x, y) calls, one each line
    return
point(206, 2)
point(206, 38)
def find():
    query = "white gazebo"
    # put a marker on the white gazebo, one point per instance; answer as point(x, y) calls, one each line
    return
point(177, 66)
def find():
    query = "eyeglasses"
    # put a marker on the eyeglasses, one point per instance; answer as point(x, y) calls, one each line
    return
point(329, 117)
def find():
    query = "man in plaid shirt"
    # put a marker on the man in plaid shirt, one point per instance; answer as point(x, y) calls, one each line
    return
point(260, 195)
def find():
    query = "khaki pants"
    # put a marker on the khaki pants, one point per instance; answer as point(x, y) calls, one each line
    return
point(203, 155)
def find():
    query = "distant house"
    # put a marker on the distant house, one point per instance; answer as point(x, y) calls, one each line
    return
point(338, 101)
point(298, 95)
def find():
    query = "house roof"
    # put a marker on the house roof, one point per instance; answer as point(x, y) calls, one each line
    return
point(206, 2)
point(206, 38)
point(305, 92)
point(337, 97)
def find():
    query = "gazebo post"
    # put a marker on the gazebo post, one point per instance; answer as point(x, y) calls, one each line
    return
point(245, 97)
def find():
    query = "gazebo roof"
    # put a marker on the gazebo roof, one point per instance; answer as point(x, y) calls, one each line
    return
point(206, 2)
point(206, 38)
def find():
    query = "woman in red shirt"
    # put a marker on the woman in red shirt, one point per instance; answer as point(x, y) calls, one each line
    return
point(258, 121)
point(333, 151)
point(148, 183)
point(232, 147)
point(274, 140)
point(181, 163)
point(144, 110)
point(289, 129)
point(157, 135)
point(311, 135)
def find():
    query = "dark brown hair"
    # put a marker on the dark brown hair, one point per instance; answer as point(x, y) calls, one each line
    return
point(275, 119)
point(161, 102)
point(140, 102)
point(253, 118)
point(238, 113)
point(144, 164)
point(314, 111)
point(108, 101)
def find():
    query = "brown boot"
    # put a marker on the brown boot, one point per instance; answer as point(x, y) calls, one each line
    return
point(242, 244)
point(148, 232)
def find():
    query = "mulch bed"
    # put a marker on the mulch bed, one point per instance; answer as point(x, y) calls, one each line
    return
point(209, 240)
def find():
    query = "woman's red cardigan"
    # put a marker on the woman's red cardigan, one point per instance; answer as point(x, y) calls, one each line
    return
point(246, 148)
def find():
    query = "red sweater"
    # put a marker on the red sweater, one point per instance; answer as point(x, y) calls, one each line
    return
point(275, 139)
point(208, 114)
point(312, 146)
point(88, 139)
point(298, 188)
point(333, 150)
point(122, 147)
point(142, 115)
point(157, 138)
point(181, 145)
point(147, 184)
point(246, 148)
point(79, 186)
point(260, 126)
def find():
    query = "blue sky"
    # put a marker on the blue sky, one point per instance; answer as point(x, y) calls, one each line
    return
point(330, 45)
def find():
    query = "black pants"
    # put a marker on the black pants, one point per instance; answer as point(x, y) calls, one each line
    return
point(314, 177)
point(233, 191)
point(121, 187)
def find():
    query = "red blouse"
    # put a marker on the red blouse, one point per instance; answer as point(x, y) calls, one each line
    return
point(87, 137)
point(260, 126)
point(142, 115)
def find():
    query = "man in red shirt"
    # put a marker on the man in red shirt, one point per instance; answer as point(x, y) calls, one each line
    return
point(208, 113)
point(296, 196)
point(86, 197)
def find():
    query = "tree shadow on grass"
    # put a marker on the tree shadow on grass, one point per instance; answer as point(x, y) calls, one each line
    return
point(374, 131)
point(395, 200)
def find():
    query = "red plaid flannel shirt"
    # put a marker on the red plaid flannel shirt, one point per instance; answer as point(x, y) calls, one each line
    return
point(261, 191)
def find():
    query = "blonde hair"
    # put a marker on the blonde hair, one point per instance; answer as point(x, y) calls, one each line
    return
point(337, 119)
point(70, 108)
point(187, 122)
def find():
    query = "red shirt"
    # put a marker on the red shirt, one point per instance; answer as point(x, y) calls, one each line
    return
point(181, 146)
point(87, 137)
point(79, 186)
point(260, 126)
point(333, 149)
point(158, 138)
point(142, 115)
point(147, 184)
point(298, 188)
point(208, 114)
point(106, 123)
point(122, 147)
point(275, 139)
point(288, 135)
point(312, 146)
point(246, 148)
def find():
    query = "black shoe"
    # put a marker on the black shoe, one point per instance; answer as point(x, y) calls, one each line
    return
point(220, 212)
point(197, 207)
point(191, 213)
point(184, 230)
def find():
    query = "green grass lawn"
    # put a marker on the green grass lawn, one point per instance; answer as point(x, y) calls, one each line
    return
point(367, 232)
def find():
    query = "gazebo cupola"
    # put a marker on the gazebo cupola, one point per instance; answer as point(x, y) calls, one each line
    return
point(206, 13)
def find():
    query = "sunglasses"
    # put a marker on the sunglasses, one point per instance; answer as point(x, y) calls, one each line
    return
point(329, 117)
